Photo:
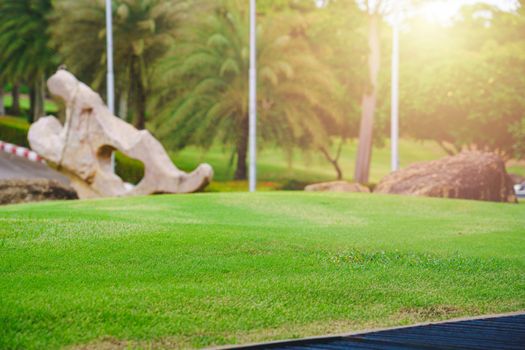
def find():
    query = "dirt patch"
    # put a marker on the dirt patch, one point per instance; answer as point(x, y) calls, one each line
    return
point(34, 190)
point(115, 344)
point(434, 312)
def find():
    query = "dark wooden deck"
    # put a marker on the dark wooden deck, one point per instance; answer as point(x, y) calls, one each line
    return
point(494, 333)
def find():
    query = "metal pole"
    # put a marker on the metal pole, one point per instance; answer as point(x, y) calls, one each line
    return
point(110, 85)
point(109, 54)
point(394, 129)
point(253, 99)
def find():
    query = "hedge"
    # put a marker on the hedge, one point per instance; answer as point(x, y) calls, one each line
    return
point(130, 170)
point(14, 130)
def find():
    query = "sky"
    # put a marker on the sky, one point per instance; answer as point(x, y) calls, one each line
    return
point(444, 10)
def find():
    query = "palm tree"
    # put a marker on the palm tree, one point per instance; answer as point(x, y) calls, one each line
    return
point(143, 32)
point(25, 54)
point(208, 74)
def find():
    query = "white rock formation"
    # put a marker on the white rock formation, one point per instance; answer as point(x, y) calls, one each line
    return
point(82, 148)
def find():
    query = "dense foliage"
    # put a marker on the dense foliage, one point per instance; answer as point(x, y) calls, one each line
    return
point(25, 52)
point(464, 91)
point(13, 130)
point(143, 32)
point(298, 96)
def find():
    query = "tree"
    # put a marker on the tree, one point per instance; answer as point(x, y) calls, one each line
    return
point(375, 10)
point(465, 90)
point(25, 54)
point(364, 150)
point(335, 36)
point(144, 30)
point(297, 95)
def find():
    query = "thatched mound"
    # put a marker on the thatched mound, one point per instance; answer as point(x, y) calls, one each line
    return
point(468, 175)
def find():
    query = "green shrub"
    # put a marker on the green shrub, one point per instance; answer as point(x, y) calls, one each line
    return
point(14, 130)
point(241, 186)
point(130, 170)
point(372, 186)
point(293, 185)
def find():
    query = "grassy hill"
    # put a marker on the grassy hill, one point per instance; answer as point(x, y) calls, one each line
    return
point(210, 269)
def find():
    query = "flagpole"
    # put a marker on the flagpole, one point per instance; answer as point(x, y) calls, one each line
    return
point(110, 78)
point(253, 98)
point(394, 129)
point(109, 54)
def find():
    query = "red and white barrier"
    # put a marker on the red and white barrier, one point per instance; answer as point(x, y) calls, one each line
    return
point(21, 152)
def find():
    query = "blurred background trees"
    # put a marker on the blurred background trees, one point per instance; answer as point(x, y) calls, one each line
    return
point(323, 78)
point(462, 87)
point(26, 55)
point(299, 97)
point(143, 30)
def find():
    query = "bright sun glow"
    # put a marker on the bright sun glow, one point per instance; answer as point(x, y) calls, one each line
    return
point(441, 12)
point(444, 11)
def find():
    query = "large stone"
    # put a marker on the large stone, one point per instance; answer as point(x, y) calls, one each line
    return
point(34, 190)
point(82, 148)
point(468, 175)
point(336, 186)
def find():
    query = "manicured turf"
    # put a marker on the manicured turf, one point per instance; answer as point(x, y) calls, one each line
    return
point(518, 169)
point(210, 269)
point(272, 164)
point(49, 105)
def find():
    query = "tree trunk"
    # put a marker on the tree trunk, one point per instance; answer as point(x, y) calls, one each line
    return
point(335, 164)
point(123, 104)
point(2, 107)
point(37, 100)
point(364, 150)
point(15, 92)
point(141, 107)
point(242, 151)
point(446, 148)
point(334, 160)
point(31, 104)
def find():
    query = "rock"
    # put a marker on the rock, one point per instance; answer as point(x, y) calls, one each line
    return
point(468, 175)
point(337, 186)
point(517, 179)
point(82, 148)
point(34, 190)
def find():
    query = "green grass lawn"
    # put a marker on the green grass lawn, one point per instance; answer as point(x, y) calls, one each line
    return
point(49, 105)
point(518, 169)
point(211, 269)
point(273, 165)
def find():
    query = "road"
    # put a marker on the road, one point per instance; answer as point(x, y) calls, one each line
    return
point(15, 167)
